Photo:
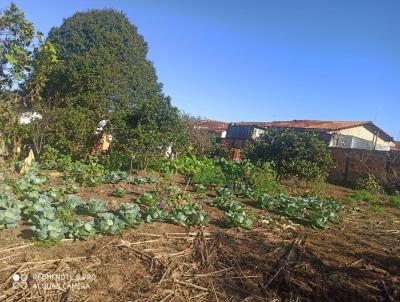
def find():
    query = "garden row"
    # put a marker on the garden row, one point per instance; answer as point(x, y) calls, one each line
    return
point(54, 215)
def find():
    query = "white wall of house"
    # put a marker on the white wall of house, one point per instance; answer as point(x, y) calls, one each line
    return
point(363, 133)
point(223, 134)
point(257, 133)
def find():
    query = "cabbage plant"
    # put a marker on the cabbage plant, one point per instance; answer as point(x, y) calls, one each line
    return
point(130, 214)
point(80, 229)
point(9, 217)
point(108, 223)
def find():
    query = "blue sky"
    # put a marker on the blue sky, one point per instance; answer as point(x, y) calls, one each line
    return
point(265, 60)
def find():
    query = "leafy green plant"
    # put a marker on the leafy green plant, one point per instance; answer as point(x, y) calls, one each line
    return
point(35, 178)
point(147, 199)
point(9, 217)
point(394, 200)
point(65, 212)
point(7, 199)
point(144, 180)
point(130, 214)
point(119, 192)
point(246, 191)
point(234, 206)
point(82, 230)
point(108, 223)
point(208, 174)
point(313, 211)
point(224, 197)
point(370, 183)
point(23, 187)
point(153, 213)
point(236, 172)
point(39, 210)
point(73, 201)
point(200, 188)
point(114, 177)
point(56, 194)
point(93, 207)
point(52, 230)
point(293, 153)
point(71, 188)
point(89, 173)
point(64, 163)
point(188, 215)
point(240, 219)
point(264, 181)
point(362, 195)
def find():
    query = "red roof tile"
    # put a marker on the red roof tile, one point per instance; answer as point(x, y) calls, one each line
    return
point(212, 125)
point(308, 124)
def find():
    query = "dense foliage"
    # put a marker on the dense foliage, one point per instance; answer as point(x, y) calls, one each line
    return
point(293, 153)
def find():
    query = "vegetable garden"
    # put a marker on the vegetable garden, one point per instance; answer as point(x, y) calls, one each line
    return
point(54, 214)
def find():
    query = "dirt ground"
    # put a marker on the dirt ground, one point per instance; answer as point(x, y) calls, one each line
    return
point(356, 260)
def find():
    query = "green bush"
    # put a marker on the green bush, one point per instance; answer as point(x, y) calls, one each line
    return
point(237, 172)
point(370, 183)
point(89, 173)
point(293, 153)
point(208, 175)
point(116, 160)
point(265, 182)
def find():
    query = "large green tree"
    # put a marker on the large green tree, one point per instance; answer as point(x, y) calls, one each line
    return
point(25, 62)
point(103, 73)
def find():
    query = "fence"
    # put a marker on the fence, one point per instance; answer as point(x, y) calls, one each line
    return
point(353, 164)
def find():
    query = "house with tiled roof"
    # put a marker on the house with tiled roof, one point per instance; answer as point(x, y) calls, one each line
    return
point(352, 135)
point(214, 128)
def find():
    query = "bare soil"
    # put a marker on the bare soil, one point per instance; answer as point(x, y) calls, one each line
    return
point(356, 260)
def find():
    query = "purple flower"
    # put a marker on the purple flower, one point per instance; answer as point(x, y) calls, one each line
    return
point(161, 205)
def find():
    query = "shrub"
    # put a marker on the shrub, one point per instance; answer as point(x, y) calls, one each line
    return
point(293, 153)
point(89, 173)
point(237, 173)
point(49, 157)
point(116, 160)
point(264, 181)
point(370, 183)
point(208, 174)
